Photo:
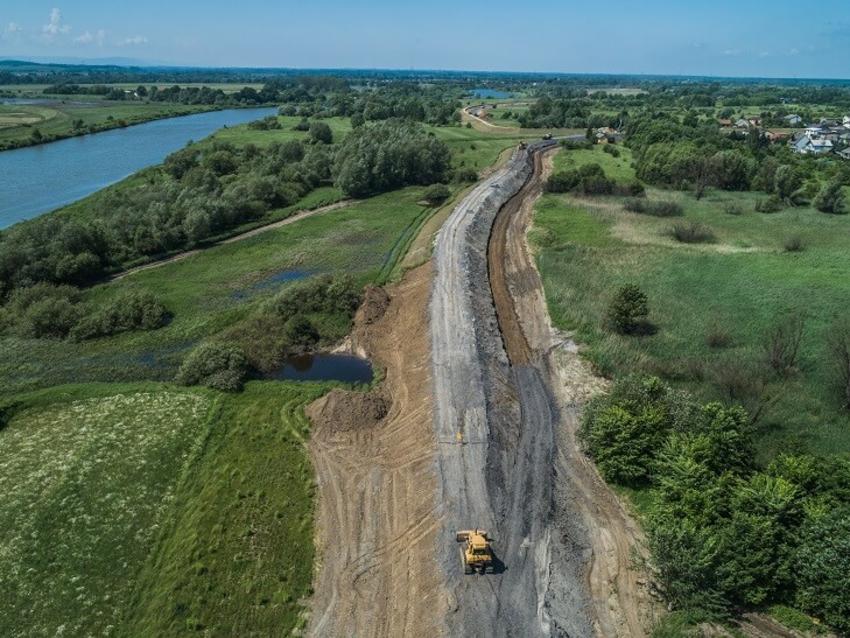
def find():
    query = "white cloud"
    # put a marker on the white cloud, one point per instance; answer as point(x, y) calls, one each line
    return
point(12, 28)
point(732, 52)
point(88, 37)
point(54, 27)
point(134, 41)
point(794, 51)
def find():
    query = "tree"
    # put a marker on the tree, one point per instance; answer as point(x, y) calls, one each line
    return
point(436, 194)
point(320, 133)
point(628, 309)
point(830, 198)
point(822, 568)
point(216, 365)
point(787, 181)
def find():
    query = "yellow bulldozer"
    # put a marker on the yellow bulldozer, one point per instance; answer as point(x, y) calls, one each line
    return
point(476, 553)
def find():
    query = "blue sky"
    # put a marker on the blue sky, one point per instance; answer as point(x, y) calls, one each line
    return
point(780, 38)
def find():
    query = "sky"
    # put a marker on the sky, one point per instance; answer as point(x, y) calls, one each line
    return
point(780, 38)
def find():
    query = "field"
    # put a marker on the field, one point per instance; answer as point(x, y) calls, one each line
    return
point(55, 119)
point(711, 303)
point(132, 507)
point(210, 291)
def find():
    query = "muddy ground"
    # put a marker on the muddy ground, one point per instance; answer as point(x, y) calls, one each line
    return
point(377, 525)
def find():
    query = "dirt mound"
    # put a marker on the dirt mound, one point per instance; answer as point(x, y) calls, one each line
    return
point(345, 410)
point(374, 306)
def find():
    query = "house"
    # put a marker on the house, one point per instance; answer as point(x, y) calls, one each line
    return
point(725, 123)
point(805, 145)
point(845, 154)
point(793, 120)
point(742, 123)
point(847, 121)
point(755, 122)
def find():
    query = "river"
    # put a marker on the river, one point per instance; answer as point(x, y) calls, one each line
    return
point(38, 179)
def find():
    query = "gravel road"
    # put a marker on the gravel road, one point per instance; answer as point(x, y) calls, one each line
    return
point(495, 429)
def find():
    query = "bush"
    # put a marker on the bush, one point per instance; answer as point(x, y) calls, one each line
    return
point(822, 568)
point(623, 431)
point(731, 208)
point(436, 194)
point(782, 345)
point(41, 311)
point(611, 150)
point(628, 309)
point(215, 365)
point(794, 244)
point(772, 204)
point(303, 125)
point(718, 337)
point(134, 310)
point(838, 342)
point(300, 333)
point(830, 198)
point(655, 208)
point(320, 133)
point(320, 294)
point(692, 233)
point(465, 175)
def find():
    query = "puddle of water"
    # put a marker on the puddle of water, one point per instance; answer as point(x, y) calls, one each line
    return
point(325, 367)
point(273, 280)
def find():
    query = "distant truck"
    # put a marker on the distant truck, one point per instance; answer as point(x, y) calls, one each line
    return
point(547, 136)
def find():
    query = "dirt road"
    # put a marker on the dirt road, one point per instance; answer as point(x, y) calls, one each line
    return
point(505, 428)
point(374, 458)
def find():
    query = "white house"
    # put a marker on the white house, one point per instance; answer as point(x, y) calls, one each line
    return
point(845, 154)
point(793, 120)
point(847, 121)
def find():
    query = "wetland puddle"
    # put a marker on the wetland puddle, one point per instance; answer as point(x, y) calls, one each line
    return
point(348, 368)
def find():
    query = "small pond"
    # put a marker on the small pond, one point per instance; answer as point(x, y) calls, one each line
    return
point(325, 366)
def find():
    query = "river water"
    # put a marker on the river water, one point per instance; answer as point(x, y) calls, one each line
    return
point(38, 179)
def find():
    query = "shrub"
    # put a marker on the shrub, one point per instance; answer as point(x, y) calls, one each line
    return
point(772, 204)
point(822, 568)
point(830, 198)
point(623, 431)
point(628, 309)
point(320, 133)
point(782, 345)
point(215, 365)
point(320, 294)
point(41, 311)
point(655, 208)
point(718, 337)
point(611, 150)
point(794, 244)
point(300, 333)
point(732, 208)
point(436, 194)
point(134, 310)
point(303, 125)
point(692, 233)
point(465, 175)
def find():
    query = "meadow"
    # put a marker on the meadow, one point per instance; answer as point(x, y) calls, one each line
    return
point(712, 304)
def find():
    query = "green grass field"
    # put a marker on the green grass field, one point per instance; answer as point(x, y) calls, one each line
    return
point(212, 290)
point(153, 510)
point(742, 284)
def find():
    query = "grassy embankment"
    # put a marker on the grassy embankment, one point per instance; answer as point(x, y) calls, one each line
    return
point(55, 120)
point(712, 303)
point(212, 493)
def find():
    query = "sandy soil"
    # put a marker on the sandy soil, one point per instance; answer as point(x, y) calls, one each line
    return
point(374, 453)
point(242, 236)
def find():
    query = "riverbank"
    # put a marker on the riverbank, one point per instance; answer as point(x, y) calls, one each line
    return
point(43, 122)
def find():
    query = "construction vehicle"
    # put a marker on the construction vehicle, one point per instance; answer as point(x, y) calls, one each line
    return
point(476, 553)
point(522, 145)
point(547, 136)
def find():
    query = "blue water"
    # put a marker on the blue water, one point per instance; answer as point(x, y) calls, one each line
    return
point(273, 281)
point(39, 179)
point(325, 367)
point(489, 94)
